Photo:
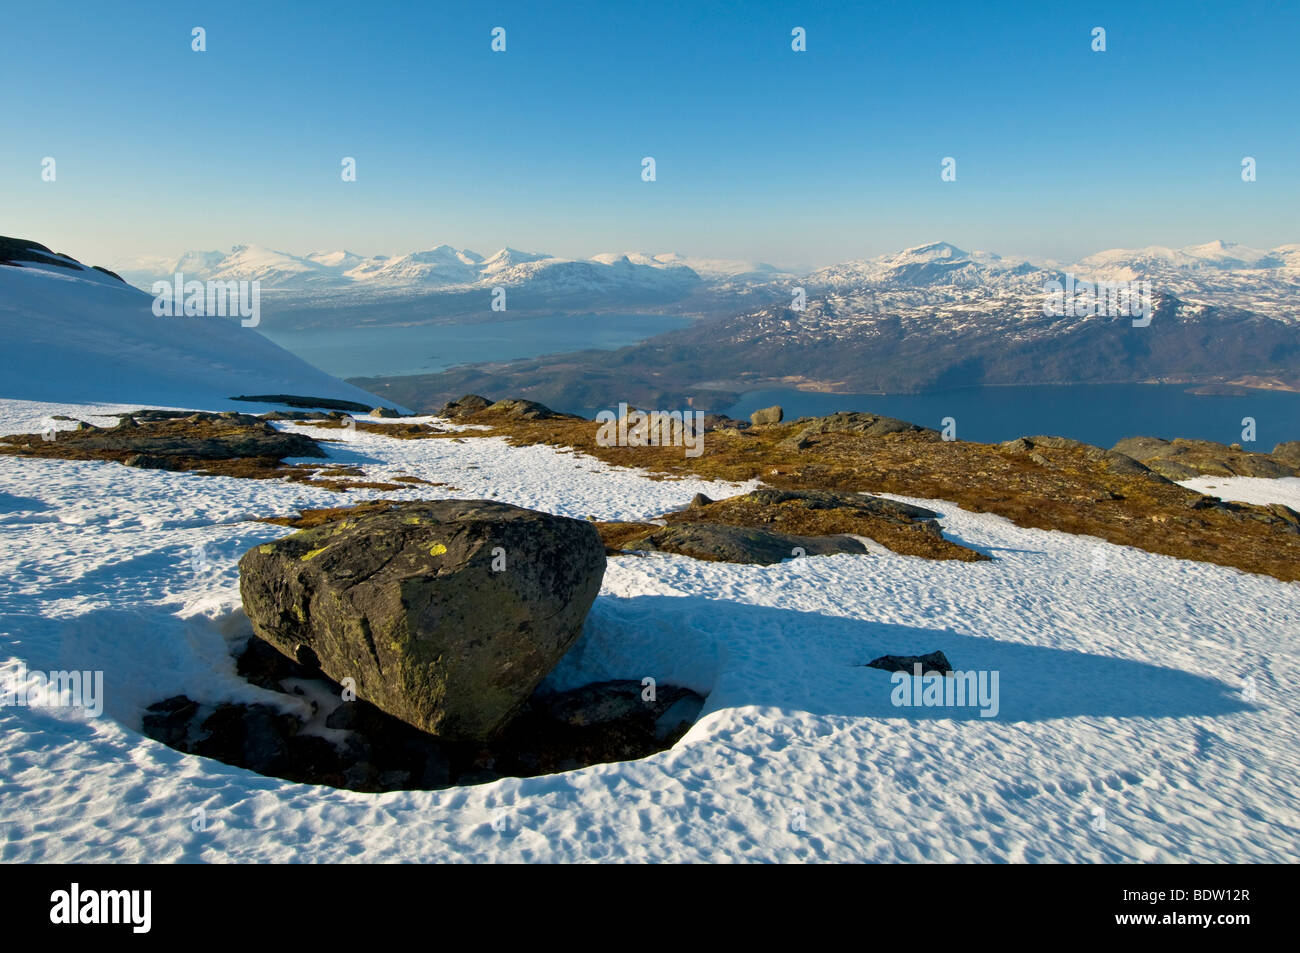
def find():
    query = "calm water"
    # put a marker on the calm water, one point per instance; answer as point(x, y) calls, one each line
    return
point(386, 351)
point(1096, 413)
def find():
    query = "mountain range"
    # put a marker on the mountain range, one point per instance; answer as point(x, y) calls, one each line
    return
point(935, 317)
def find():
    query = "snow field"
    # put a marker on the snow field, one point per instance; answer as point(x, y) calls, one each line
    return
point(1120, 687)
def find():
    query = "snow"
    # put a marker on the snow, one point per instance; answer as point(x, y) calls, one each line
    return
point(1120, 680)
point(85, 336)
point(1249, 489)
point(442, 268)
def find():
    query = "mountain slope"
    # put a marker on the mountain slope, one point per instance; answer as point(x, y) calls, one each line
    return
point(74, 333)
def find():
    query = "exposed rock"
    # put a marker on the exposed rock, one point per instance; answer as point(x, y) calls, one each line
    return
point(934, 662)
point(1284, 512)
point(833, 500)
point(835, 520)
point(173, 440)
point(289, 415)
point(714, 422)
point(869, 424)
point(372, 751)
point(1023, 444)
point(407, 602)
point(766, 416)
point(464, 406)
point(1287, 454)
point(523, 410)
point(699, 499)
point(384, 412)
point(719, 542)
point(146, 461)
point(1113, 462)
point(1181, 459)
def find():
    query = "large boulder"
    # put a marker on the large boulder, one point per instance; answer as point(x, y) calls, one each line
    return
point(465, 406)
point(767, 416)
point(446, 614)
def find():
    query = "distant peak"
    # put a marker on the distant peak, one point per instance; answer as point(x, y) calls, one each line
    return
point(935, 250)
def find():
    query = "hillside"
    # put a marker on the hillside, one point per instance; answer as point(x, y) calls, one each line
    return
point(74, 333)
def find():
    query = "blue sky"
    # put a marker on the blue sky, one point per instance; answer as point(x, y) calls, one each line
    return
point(795, 158)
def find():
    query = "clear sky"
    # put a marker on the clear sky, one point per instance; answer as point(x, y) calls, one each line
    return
point(794, 158)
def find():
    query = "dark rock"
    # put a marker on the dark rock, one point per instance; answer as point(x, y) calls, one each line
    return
point(322, 403)
point(465, 406)
point(719, 542)
point(833, 500)
point(934, 662)
point(219, 438)
point(168, 721)
point(146, 461)
point(555, 731)
point(407, 603)
point(699, 499)
point(714, 422)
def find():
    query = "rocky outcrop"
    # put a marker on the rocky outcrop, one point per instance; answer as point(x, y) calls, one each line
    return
point(870, 425)
point(719, 542)
point(1287, 454)
point(1111, 460)
point(767, 416)
point(174, 440)
point(768, 525)
point(1181, 459)
point(464, 406)
point(473, 405)
point(446, 614)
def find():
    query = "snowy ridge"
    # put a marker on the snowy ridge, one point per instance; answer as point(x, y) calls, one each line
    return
point(78, 334)
point(442, 268)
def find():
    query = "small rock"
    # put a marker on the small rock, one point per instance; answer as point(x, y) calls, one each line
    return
point(934, 662)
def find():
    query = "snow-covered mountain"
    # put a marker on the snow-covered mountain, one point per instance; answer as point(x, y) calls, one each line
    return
point(74, 333)
point(936, 263)
point(442, 269)
point(1217, 255)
